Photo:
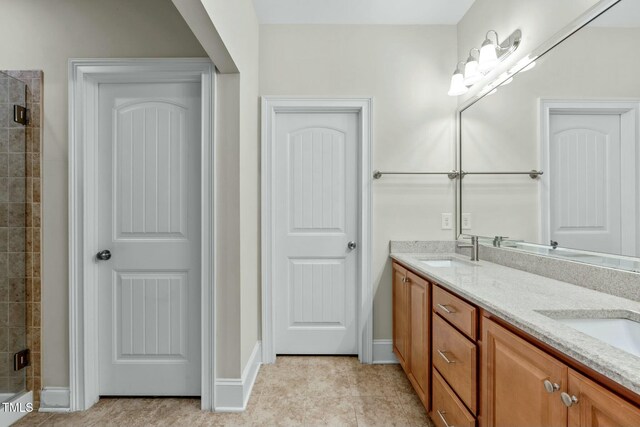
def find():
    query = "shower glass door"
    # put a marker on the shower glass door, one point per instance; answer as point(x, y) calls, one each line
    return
point(13, 236)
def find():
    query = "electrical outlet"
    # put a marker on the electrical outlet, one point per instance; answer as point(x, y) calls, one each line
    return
point(447, 221)
point(466, 221)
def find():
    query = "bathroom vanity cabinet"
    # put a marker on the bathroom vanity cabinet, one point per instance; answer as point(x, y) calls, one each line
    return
point(522, 385)
point(411, 327)
point(481, 370)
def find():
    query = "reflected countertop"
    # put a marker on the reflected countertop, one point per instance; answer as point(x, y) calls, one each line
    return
point(520, 298)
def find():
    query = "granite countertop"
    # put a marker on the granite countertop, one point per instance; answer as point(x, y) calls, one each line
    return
point(520, 298)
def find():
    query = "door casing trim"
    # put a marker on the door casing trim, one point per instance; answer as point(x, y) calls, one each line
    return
point(271, 106)
point(84, 77)
point(629, 111)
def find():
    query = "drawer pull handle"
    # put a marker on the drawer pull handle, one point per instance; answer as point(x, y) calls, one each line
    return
point(444, 420)
point(444, 356)
point(446, 309)
point(551, 387)
point(568, 401)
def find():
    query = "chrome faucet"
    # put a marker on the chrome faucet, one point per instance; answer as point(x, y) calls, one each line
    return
point(497, 241)
point(473, 246)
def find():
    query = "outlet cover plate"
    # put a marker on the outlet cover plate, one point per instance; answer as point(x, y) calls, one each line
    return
point(466, 221)
point(447, 221)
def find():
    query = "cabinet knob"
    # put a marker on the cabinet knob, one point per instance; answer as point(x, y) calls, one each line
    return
point(551, 387)
point(568, 401)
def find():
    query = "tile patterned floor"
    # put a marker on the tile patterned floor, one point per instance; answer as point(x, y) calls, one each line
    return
point(295, 391)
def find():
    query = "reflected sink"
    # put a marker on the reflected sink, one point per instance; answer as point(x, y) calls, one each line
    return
point(621, 333)
point(445, 263)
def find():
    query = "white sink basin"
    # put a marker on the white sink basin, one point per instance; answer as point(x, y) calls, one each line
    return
point(621, 333)
point(445, 263)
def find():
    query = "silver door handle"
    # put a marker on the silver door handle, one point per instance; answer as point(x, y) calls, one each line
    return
point(352, 245)
point(446, 308)
point(444, 420)
point(104, 255)
point(444, 356)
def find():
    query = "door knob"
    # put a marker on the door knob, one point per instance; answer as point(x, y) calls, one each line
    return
point(352, 245)
point(104, 255)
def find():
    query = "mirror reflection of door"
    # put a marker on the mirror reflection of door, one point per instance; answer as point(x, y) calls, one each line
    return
point(592, 80)
point(589, 183)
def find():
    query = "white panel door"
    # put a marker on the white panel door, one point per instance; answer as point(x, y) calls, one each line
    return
point(585, 181)
point(316, 208)
point(149, 219)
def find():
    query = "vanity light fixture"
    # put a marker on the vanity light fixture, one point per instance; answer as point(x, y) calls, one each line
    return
point(528, 67)
point(472, 74)
point(525, 64)
point(457, 82)
point(507, 81)
point(482, 61)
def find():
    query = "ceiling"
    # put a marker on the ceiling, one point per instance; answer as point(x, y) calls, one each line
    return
point(397, 12)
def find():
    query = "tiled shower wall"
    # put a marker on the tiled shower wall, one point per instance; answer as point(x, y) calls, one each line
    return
point(20, 187)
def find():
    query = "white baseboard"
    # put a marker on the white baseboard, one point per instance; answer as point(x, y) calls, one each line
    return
point(232, 394)
point(383, 352)
point(55, 399)
point(16, 408)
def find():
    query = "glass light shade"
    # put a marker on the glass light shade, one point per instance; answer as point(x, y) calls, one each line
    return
point(457, 84)
point(488, 57)
point(525, 64)
point(471, 73)
point(506, 82)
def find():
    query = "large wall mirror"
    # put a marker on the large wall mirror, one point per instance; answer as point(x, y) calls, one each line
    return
point(575, 116)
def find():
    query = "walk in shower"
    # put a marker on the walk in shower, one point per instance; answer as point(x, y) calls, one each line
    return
point(20, 100)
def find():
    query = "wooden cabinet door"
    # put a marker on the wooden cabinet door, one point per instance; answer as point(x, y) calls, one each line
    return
point(513, 375)
point(419, 358)
point(401, 315)
point(597, 406)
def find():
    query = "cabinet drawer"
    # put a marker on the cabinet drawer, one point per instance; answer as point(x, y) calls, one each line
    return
point(461, 314)
point(454, 356)
point(447, 408)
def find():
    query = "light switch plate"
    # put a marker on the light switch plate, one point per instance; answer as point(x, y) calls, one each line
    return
point(466, 221)
point(447, 221)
